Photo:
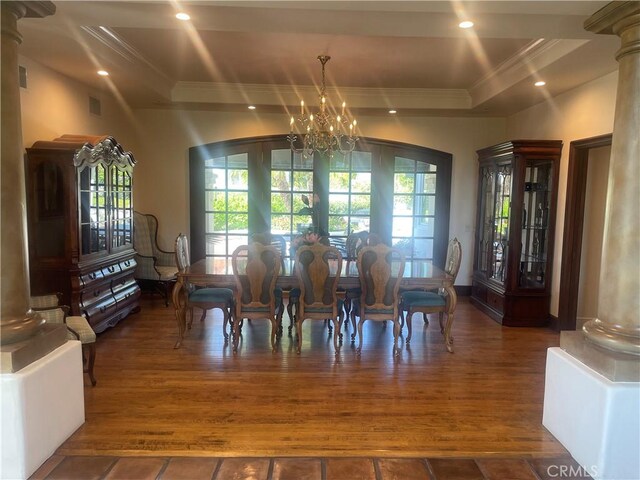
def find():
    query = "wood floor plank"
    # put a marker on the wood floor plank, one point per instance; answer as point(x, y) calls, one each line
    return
point(484, 400)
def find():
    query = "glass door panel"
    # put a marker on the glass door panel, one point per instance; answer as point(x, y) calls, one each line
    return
point(535, 223)
point(501, 218)
point(93, 209)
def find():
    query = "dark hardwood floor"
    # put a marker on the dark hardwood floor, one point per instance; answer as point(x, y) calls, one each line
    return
point(477, 412)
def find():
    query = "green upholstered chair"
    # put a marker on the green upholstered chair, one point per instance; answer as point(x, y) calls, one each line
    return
point(431, 302)
point(255, 269)
point(78, 328)
point(202, 297)
point(318, 270)
point(156, 268)
point(380, 269)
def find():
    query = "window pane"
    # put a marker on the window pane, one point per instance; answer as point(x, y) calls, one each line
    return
point(238, 179)
point(219, 162)
point(361, 204)
point(280, 180)
point(405, 245)
point(402, 226)
point(215, 201)
point(361, 182)
point(403, 204)
point(238, 202)
point(423, 226)
point(338, 203)
point(281, 203)
point(281, 159)
point(301, 163)
point(238, 223)
point(403, 183)
point(339, 182)
point(405, 165)
point(337, 225)
point(425, 205)
point(426, 183)
point(215, 178)
point(339, 162)
point(216, 222)
point(303, 181)
point(280, 224)
point(361, 161)
point(425, 167)
point(240, 160)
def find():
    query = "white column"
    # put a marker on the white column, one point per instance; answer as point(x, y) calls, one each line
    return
point(617, 327)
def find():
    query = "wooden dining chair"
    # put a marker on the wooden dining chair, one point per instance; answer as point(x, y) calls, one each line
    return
point(255, 269)
point(318, 270)
point(354, 244)
point(202, 296)
point(380, 269)
point(432, 302)
point(280, 243)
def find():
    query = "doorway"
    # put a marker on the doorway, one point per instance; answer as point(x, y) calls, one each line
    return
point(584, 218)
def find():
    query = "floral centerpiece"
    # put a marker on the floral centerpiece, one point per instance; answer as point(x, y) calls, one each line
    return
point(312, 234)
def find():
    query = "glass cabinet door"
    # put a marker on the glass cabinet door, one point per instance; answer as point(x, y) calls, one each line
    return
point(485, 227)
point(535, 223)
point(501, 218)
point(93, 209)
point(121, 218)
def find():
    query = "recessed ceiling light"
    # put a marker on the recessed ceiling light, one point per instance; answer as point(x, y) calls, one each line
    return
point(540, 83)
point(251, 107)
point(466, 24)
point(103, 73)
point(183, 16)
point(392, 111)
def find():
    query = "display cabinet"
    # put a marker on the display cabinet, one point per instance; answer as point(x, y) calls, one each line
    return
point(515, 223)
point(80, 220)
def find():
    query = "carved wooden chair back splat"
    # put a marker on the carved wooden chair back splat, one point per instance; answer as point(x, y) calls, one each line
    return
point(318, 270)
point(380, 268)
point(255, 269)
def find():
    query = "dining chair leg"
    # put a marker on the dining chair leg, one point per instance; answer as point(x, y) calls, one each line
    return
point(275, 325)
point(448, 340)
point(396, 337)
point(236, 322)
point(359, 348)
point(91, 359)
point(337, 333)
point(225, 323)
point(409, 325)
point(291, 315)
point(299, 321)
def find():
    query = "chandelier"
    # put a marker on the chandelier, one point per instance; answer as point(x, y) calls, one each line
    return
point(326, 131)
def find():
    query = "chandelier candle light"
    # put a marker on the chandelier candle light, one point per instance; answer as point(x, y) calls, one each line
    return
point(326, 131)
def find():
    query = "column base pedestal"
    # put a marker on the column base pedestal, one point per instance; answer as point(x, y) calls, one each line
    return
point(597, 420)
point(40, 407)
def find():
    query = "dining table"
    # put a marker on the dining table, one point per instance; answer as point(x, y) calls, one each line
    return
point(217, 272)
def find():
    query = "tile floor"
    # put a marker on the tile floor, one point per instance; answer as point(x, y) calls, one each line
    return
point(282, 468)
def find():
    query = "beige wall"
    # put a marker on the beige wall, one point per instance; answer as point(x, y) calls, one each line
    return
point(162, 171)
point(53, 104)
point(583, 112)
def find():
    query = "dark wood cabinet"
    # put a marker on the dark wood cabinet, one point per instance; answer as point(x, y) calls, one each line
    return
point(80, 220)
point(513, 254)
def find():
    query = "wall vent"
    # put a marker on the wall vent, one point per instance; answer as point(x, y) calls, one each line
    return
point(94, 106)
point(22, 75)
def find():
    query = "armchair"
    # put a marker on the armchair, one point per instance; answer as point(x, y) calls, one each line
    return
point(156, 268)
point(78, 327)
